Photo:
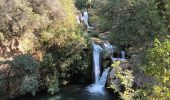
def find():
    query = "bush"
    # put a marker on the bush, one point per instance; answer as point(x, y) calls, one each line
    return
point(157, 65)
point(20, 76)
point(50, 76)
point(29, 85)
point(25, 63)
point(48, 26)
point(52, 84)
point(81, 4)
point(73, 57)
point(126, 82)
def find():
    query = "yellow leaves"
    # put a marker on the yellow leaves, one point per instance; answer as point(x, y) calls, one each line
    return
point(117, 63)
point(46, 36)
point(27, 42)
point(1, 37)
point(126, 79)
point(157, 89)
point(165, 79)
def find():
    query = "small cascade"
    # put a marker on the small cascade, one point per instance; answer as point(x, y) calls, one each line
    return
point(108, 47)
point(122, 54)
point(96, 62)
point(99, 82)
point(122, 57)
point(103, 78)
point(84, 18)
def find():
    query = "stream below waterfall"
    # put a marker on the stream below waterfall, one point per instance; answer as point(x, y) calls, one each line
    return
point(94, 91)
point(74, 92)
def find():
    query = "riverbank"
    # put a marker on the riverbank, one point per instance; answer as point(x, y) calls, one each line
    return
point(72, 92)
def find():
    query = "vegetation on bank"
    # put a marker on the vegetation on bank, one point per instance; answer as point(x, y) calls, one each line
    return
point(140, 27)
point(41, 46)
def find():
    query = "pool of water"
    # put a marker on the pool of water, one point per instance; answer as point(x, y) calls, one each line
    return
point(75, 92)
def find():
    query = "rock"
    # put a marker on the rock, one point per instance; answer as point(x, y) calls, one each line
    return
point(126, 65)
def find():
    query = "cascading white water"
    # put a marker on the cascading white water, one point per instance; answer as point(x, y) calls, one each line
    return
point(122, 54)
point(122, 58)
point(103, 78)
point(96, 62)
point(99, 82)
point(85, 19)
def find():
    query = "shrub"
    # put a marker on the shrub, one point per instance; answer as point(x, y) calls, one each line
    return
point(29, 85)
point(26, 63)
point(21, 75)
point(50, 76)
point(158, 66)
point(81, 4)
point(52, 84)
point(48, 26)
point(126, 82)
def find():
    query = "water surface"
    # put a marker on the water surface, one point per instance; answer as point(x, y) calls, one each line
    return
point(75, 92)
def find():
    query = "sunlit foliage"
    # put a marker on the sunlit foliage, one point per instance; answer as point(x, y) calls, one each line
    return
point(49, 28)
point(133, 22)
point(158, 66)
point(125, 82)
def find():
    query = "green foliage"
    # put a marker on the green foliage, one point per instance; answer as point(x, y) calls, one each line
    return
point(22, 75)
point(50, 77)
point(70, 57)
point(81, 4)
point(48, 26)
point(52, 84)
point(133, 22)
point(159, 53)
point(26, 63)
point(158, 66)
point(48, 61)
point(93, 34)
point(126, 80)
point(29, 84)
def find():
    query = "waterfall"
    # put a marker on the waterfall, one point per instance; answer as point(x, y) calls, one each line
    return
point(85, 19)
point(103, 78)
point(122, 54)
point(96, 62)
point(99, 82)
point(122, 57)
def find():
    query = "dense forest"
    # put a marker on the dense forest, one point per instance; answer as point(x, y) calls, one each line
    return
point(46, 45)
